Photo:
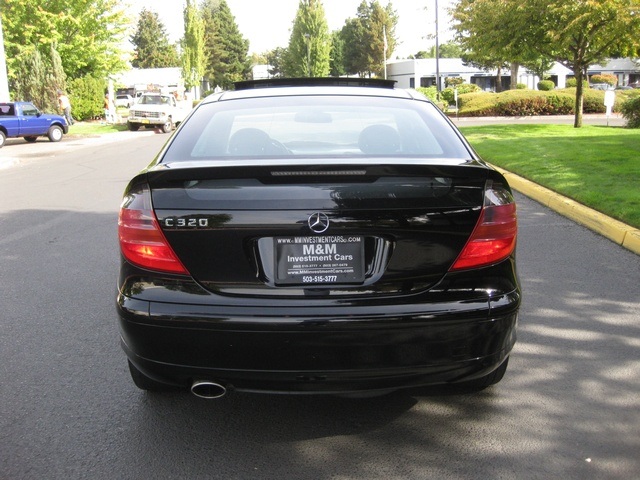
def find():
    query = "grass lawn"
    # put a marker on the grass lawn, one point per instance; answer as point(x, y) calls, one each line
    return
point(596, 166)
point(88, 129)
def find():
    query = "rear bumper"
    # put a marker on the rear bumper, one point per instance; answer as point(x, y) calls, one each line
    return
point(149, 120)
point(312, 350)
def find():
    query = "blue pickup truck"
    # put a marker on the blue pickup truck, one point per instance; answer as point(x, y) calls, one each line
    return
point(23, 119)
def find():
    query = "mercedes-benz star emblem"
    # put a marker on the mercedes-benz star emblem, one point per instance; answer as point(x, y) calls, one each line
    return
point(318, 222)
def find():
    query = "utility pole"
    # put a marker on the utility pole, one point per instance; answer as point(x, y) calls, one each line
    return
point(437, 57)
point(4, 83)
point(384, 59)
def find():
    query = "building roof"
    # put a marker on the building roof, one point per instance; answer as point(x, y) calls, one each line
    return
point(620, 65)
point(454, 66)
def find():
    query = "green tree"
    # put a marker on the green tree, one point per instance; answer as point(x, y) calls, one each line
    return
point(308, 54)
point(55, 79)
point(446, 50)
point(579, 34)
point(29, 79)
point(481, 27)
point(575, 33)
point(275, 60)
point(382, 36)
point(227, 59)
point(336, 64)
point(39, 78)
point(367, 36)
point(354, 39)
point(193, 59)
point(87, 34)
point(152, 48)
point(87, 96)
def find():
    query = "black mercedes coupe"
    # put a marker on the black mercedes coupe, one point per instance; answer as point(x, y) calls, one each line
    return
point(317, 236)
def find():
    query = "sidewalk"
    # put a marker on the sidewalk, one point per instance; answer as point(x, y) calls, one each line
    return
point(45, 148)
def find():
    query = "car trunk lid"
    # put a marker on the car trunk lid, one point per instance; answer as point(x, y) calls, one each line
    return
point(330, 228)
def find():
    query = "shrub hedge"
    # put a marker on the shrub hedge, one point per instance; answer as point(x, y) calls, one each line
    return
point(607, 78)
point(631, 111)
point(520, 103)
point(429, 92)
point(87, 97)
point(448, 94)
point(546, 85)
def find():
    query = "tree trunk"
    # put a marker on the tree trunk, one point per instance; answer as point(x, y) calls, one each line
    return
point(514, 76)
point(577, 122)
point(499, 80)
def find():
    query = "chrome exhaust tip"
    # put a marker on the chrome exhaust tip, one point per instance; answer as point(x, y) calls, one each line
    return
point(208, 390)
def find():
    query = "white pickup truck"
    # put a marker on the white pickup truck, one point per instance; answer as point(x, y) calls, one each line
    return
point(156, 110)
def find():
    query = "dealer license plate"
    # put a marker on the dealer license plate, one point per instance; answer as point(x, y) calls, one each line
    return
point(319, 260)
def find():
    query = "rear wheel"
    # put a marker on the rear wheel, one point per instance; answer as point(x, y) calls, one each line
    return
point(145, 383)
point(31, 139)
point(3, 137)
point(55, 133)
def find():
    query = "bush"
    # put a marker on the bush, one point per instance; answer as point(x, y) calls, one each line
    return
point(631, 112)
point(453, 81)
point(477, 104)
point(573, 83)
point(517, 103)
point(429, 92)
point(533, 102)
point(593, 101)
point(448, 94)
point(546, 85)
point(87, 97)
point(528, 103)
point(605, 78)
point(521, 86)
point(520, 104)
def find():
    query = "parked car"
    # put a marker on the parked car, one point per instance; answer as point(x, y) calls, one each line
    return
point(601, 86)
point(334, 236)
point(124, 101)
point(23, 119)
point(156, 111)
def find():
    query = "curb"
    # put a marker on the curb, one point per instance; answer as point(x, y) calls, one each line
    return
point(616, 231)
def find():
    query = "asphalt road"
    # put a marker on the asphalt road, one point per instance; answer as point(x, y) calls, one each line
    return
point(569, 406)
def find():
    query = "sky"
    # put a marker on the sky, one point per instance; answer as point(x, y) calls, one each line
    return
point(267, 24)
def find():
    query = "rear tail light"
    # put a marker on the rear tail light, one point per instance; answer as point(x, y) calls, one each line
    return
point(494, 236)
point(141, 240)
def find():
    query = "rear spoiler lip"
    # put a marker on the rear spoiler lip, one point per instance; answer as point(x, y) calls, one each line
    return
point(321, 162)
point(167, 174)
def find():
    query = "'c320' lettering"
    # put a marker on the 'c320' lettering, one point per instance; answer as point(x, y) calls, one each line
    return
point(185, 222)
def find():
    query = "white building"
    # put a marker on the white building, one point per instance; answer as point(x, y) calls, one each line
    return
point(422, 73)
point(626, 69)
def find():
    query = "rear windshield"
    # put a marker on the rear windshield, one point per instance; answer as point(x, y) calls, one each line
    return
point(315, 126)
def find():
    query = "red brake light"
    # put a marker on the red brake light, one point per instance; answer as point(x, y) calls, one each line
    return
point(141, 239)
point(494, 236)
